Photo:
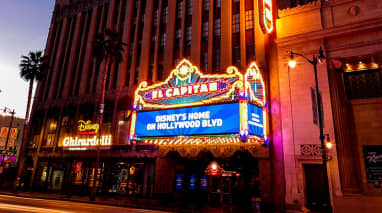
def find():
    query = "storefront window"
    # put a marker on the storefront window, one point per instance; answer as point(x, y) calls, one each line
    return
point(127, 178)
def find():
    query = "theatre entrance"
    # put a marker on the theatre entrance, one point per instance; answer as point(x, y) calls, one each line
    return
point(216, 181)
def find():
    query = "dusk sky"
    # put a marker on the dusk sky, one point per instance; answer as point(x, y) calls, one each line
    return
point(24, 26)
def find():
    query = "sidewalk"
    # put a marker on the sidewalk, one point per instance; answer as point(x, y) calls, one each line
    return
point(357, 203)
point(132, 202)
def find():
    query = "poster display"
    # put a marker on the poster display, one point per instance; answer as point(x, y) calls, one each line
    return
point(373, 163)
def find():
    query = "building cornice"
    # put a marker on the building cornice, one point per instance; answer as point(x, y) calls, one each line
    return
point(299, 9)
point(311, 6)
point(362, 26)
point(62, 11)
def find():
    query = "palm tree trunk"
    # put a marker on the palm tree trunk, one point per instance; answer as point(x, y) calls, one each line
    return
point(20, 161)
point(29, 100)
point(100, 122)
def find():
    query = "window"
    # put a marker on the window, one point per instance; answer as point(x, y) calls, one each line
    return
point(131, 48)
point(249, 19)
point(164, 15)
point(205, 61)
point(156, 14)
point(218, 3)
point(153, 38)
point(189, 7)
point(136, 75)
point(217, 26)
point(178, 37)
point(236, 1)
point(188, 35)
point(205, 31)
point(363, 84)
point(179, 33)
point(50, 140)
point(206, 5)
point(217, 60)
point(236, 23)
point(163, 40)
point(179, 9)
point(236, 56)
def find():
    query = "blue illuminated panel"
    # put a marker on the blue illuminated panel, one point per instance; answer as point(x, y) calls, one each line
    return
point(215, 119)
point(255, 120)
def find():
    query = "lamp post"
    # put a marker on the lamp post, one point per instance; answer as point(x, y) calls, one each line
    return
point(316, 59)
point(12, 112)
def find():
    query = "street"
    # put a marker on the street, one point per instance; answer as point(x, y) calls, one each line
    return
point(23, 204)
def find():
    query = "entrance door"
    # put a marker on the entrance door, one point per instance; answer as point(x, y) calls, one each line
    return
point(317, 189)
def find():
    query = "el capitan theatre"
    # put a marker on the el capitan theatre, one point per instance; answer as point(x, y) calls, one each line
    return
point(210, 132)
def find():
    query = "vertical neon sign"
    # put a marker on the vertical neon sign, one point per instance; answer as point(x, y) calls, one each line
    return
point(267, 15)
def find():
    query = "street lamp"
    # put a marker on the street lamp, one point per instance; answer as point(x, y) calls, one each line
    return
point(316, 59)
point(4, 112)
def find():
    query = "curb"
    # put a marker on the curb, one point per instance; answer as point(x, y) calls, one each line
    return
point(94, 202)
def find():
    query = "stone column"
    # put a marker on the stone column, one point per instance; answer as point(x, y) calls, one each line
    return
point(84, 68)
point(126, 39)
point(197, 7)
point(59, 57)
point(146, 42)
point(73, 55)
point(170, 38)
point(157, 42)
point(226, 34)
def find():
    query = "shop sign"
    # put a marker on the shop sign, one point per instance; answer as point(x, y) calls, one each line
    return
point(87, 142)
point(266, 15)
point(87, 128)
point(373, 163)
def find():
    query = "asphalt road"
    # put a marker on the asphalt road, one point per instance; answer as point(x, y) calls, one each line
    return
point(14, 204)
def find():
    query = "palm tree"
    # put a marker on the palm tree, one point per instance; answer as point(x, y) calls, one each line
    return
point(32, 68)
point(107, 47)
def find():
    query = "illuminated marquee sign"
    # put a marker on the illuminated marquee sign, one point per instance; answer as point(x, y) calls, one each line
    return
point(187, 86)
point(87, 128)
point(266, 19)
point(189, 103)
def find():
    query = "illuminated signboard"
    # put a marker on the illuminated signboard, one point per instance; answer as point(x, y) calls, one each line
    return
point(190, 103)
point(87, 128)
point(255, 120)
point(86, 141)
point(187, 86)
point(266, 19)
point(214, 119)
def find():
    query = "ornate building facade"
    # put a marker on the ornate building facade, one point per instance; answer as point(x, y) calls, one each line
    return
point(213, 35)
point(349, 31)
point(284, 169)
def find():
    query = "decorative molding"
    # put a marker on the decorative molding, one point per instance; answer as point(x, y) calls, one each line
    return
point(299, 9)
point(218, 151)
point(311, 150)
